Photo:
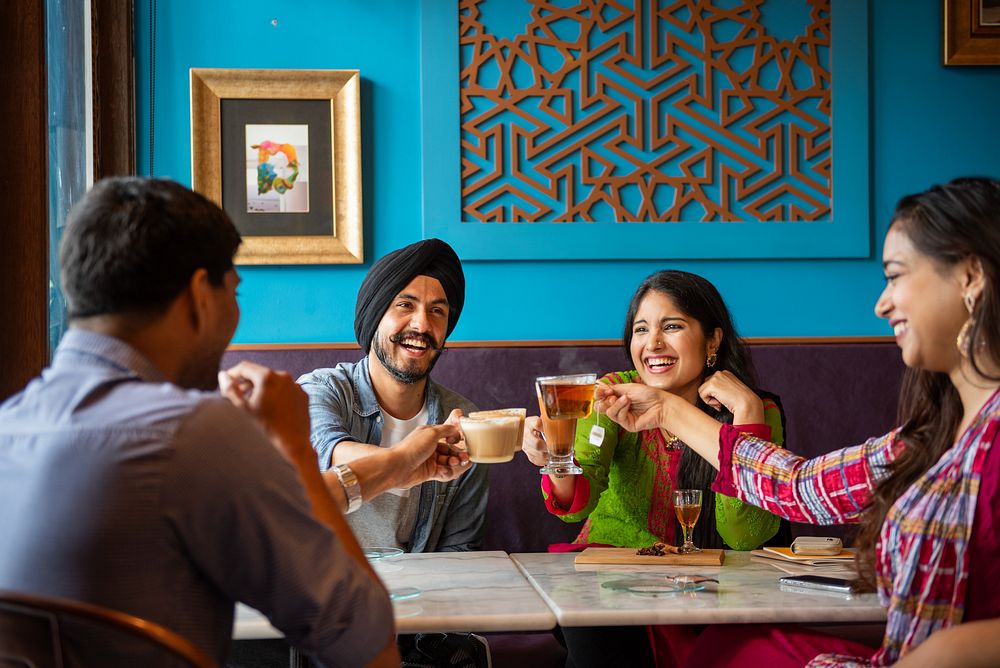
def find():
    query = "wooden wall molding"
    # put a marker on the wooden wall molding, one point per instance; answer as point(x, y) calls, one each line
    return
point(24, 240)
point(534, 93)
point(598, 343)
point(114, 87)
point(24, 271)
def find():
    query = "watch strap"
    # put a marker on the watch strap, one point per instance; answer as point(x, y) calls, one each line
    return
point(352, 487)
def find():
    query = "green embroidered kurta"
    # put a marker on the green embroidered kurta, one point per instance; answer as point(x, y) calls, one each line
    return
point(622, 474)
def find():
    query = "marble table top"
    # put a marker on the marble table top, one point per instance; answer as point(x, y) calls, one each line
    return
point(458, 591)
point(747, 592)
point(252, 625)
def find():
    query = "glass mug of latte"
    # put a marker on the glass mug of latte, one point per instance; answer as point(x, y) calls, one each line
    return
point(519, 413)
point(491, 440)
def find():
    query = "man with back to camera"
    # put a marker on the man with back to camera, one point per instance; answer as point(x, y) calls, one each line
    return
point(125, 483)
point(407, 306)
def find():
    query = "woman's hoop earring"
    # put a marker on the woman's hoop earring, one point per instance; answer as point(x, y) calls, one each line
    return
point(710, 360)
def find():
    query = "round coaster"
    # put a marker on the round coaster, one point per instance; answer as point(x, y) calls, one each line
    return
point(653, 587)
point(403, 593)
point(373, 553)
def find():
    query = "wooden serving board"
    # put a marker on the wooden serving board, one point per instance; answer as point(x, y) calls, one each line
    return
point(627, 555)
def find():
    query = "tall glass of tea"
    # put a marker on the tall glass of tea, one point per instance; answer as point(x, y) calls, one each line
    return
point(562, 400)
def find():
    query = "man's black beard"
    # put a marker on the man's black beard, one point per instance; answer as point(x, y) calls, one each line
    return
point(403, 375)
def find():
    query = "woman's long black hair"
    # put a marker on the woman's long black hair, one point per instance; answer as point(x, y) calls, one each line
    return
point(947, 223)
point(697, 298)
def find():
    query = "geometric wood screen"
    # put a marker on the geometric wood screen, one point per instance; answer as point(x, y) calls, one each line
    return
point(645, 111)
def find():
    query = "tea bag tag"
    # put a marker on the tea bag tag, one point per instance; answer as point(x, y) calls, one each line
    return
point(597, 431)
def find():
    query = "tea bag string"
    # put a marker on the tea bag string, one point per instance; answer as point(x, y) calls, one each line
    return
point(597, 431)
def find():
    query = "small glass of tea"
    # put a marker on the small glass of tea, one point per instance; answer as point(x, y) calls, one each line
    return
point(687, 507)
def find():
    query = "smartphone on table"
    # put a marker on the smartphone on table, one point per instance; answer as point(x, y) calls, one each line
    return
point(823, 582)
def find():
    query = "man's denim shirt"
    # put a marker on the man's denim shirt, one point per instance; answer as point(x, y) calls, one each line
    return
point(343, 407)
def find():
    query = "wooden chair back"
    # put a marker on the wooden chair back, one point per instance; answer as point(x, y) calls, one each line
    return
point(47, 632)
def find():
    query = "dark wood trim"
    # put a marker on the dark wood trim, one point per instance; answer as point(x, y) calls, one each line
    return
point(294, 346)
point(817, 340)
point(529, 343)
point(592, 343)
point(24, 270)
point(113, 87)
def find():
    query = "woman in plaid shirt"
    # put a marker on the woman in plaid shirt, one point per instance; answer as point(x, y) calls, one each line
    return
point(925, 494)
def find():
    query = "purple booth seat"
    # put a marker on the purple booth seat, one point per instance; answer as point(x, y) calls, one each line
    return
point(834, 395)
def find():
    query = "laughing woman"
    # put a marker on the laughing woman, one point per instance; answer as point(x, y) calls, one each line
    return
point(678, 334)
point(926, 494)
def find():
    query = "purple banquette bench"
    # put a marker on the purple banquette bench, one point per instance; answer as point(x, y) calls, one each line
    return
point(835, 392)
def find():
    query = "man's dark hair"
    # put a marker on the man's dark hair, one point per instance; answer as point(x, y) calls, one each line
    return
point(132, 244)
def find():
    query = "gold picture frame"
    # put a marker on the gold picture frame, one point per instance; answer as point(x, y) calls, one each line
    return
point(971, 32)
point(320, 107)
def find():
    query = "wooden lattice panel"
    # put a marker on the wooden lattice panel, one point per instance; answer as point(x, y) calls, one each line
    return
point(645, 111)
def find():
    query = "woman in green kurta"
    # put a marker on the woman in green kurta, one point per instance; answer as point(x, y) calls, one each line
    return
point(679, 336)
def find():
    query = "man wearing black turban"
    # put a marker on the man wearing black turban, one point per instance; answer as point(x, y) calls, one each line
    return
point(407, 306)
point(387, 278)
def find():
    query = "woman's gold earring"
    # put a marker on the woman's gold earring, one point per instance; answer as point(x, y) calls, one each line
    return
point(962, 342)
point(710, 360)
point(970, 303)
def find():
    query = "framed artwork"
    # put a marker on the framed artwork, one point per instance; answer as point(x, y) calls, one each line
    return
point(647, 130)
point(972, 32)
point(280, 151)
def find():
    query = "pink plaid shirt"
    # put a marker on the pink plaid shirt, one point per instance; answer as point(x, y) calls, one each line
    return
point(922, 556)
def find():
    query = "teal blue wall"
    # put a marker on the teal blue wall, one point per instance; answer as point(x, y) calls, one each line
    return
point(929, 123)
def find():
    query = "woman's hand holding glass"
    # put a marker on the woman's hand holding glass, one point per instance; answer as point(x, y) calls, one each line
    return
point(563, 487)
point(534, 444)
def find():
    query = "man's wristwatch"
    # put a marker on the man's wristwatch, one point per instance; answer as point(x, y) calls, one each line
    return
point(352, 488)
